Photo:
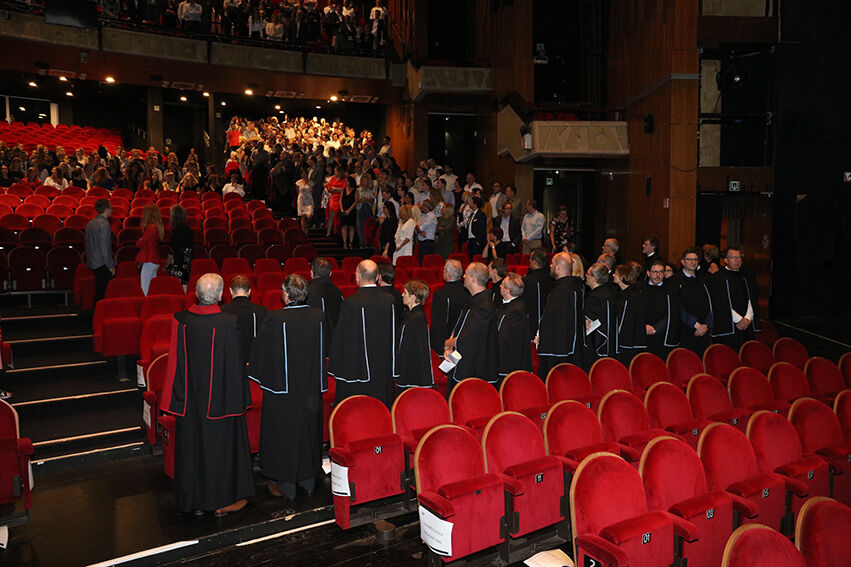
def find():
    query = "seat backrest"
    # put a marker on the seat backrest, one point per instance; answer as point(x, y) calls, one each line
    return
point(842, 409)
point(567, 381)
point(511, 438)
point(157, 374)
point(165, 285)
point(235, 266)
point(788, 382)
point(570, 425)
point(266, 265)
point(448, 453)
point(727, 456)
point(350, 263)
point(473, 398)
point(418, 408)
point(608, 374)
point(605, 490)
point(359, 417)
point(201, 266)
point(707, 396)
point(845, 368)
point(774, 440)
point(671, 472)
point(787, 349)
point(667, 405)
point(9, 425)
point(161, 305)
point(748, 386)
point(621, 414)
point(823, 532)
point(719, 360)
point(756, 355)
point(823, 375)
point(755, 545)
point(647, 369)
point(522, 390)
point(817, 426)
point(123, 287)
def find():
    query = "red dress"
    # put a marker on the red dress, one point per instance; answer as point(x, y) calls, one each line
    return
point(334, 200)
point(149, 246)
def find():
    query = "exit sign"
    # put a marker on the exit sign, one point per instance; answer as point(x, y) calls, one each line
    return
point(735, 186)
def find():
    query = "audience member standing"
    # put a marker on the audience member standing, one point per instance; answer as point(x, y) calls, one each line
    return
point(475, 333)
point(476, 228)
point(695, 303)
point(532, 228)
point(363, 350)
point(207, 393)
point(288, 361)
point(249, 316)
point(404, 238)
point(149, 245)
point(99, 258)
point(182, 246)
point(414, 354)
point(515, 338)
point(735, 303)
point(447, 304)
point(536, 287)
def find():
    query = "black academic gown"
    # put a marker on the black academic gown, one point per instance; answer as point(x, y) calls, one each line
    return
point(536, 288)
point(249, 318)
point(631, 335)
point(476, 340)
point(496, 293)
point(363, 350)
point(515, 338)
point(447, 303)
point(414, 353)
point(324, 295)
point(695, 307)
point(599, 306)
point(731, 291)
point(397, 300)
point(562, 329)
point(662, 312)
point(288, 362)
point(207, 393)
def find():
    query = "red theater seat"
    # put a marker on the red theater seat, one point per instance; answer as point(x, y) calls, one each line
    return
point(820, 433)
point(607, 374)
point(523, 392)
point(572, 431)
point(15, 454)
point(116, 325)
point(675, 482)
point(123, 287)
point(165, 285)
point(682, 365)
point(624, 419)
point(269, 236)
point(452, 484)
point(823, 533)
point(306, 251)
point(720, 360)
point(750, 389)
point(754, 545)
point(296, 265)
point(415, 411)
point(789, 350)
point(567, 381)
point(61, 265)
point(367, 458)
point(27, 269)
point(824, 377)
point(730, 464)
point(472, 402)
point(778, 449)
point(756, 355)
point(155, 305)
point(47, 222)
point(266, 265)
point(788, 382)
point(154, 378)
point(842, 409)
point(534, 482)
point(845, 368)
point(669, 409)
point(710, 400)
point(611, 523)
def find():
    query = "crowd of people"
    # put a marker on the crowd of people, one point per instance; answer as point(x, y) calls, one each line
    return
point(343, 25)
point(485, 322)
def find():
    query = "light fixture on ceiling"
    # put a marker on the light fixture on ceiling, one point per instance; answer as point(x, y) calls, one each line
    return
point(63, 78)
point(69, 93)
point(224, 103)
point(22, 109)
point(277, 107)
point(318, 106)
point(183, 99)
point(205, 93)
point(249, 92)
point(280, 112)
point(110, 80)
point(33, 84)
point(334, 98)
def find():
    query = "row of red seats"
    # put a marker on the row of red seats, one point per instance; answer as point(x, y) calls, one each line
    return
point(754, 475)
point(30, 136)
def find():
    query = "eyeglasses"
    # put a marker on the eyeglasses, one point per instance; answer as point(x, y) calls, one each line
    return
point(657, 271)
point(691, 260)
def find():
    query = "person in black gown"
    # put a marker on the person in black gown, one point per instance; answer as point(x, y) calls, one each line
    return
point(735, 305)
point(695, 303)
point(661, 311)
point(561, 334)
point(536, 287)
point(249, 316)
point(207, 393)
point(447, 304)
point(414, 353)
point(323, 294)
point(288, 362)
point(631, 335)
point(600, 319)
point(512, 326)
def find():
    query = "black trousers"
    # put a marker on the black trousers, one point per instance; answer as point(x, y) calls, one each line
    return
point(102, 277)
point(426, 247)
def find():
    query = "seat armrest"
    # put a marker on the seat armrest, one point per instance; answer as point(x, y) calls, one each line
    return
point(796, 487)
point(468, 485)
point(151, 398)
point(801, 467)
point(749, 486)
point(835, 465)
point(631, 528)
point(533, 467)
point(25, 447)
point(568, 464)
point(604, 550)
point(512, 485)
point(410, 443)
point(436, 504)
point(683, 528)
point(743, 506)
point(341, 457)
point(368, 445)
point(628, 453)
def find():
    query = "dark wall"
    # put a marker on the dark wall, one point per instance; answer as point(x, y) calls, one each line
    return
point(813, 145)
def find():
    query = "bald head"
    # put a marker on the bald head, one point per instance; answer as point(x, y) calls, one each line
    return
point(562, 265)
point(209, 289)
point(476, 277)
point(367, 273)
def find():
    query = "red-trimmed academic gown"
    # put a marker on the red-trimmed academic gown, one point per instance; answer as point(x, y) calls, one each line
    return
point(206, 391)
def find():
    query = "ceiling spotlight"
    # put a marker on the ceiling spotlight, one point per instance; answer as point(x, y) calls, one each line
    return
point(110, 80)
point(63, 78)
point(183, 99)
point(224, 103)
point(333, 98)
point(205, 93)
point(42, 115)
point(280, 112)
point(318, 106)
point(277, 107)
point(22, 109)
point(69, 93)
point(249, 92)
point(33, 84)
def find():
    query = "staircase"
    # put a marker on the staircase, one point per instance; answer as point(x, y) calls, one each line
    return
point(332, 246)
point(69, 400)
